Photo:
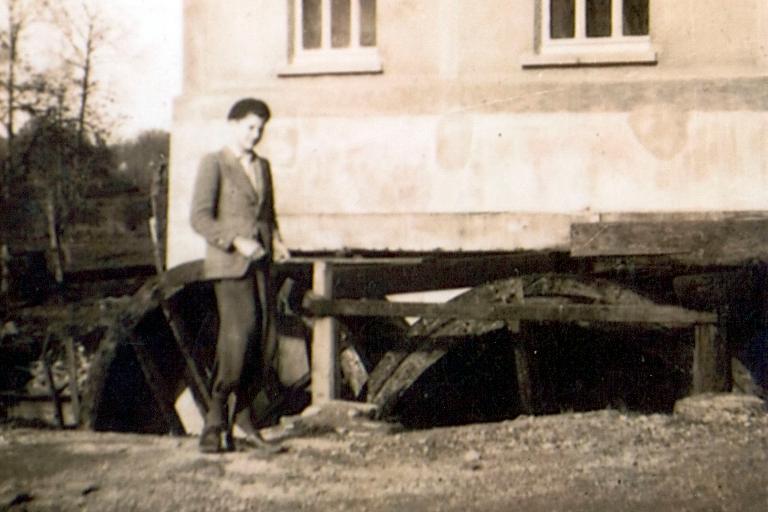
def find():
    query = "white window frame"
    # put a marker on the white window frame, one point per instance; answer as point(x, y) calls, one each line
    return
point(326, 59)
point(582, 50)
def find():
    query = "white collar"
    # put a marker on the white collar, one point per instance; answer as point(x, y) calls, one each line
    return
point(240, 155)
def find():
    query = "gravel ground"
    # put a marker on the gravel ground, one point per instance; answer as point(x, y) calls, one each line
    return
point(711, 455)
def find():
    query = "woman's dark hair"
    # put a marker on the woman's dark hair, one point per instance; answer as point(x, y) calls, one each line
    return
point(246, 106)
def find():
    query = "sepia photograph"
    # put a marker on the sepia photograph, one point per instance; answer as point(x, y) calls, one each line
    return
point(394, 255)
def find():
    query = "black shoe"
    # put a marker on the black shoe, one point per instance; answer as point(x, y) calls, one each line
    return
point(229, 441)
point(211, 440)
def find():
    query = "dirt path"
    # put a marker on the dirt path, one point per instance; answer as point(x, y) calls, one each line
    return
point(711, 456)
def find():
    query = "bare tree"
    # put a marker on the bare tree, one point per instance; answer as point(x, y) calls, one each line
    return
point(22, 88)
point(19, 88)
point(87, 33)
point(17, 19)
point(52, 104)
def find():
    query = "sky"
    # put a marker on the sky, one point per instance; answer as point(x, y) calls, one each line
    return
point(142, 70)
point(139, 66)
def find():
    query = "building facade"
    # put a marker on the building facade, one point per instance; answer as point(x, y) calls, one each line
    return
point(487, 125)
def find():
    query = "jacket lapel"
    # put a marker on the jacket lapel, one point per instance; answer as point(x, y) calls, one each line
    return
point(236, 173)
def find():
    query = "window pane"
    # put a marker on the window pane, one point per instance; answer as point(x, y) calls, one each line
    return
point(636, 17)
point(367, 22)
point(598, 18)
point(562, 21)
point(310, 22)
point(340, 28)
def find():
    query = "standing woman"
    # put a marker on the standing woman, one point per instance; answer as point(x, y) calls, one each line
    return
point(233, 209)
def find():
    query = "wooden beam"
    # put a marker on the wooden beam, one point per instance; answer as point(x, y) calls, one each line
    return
point(353, 260)
point(538, 312)
point(711, 361)
point(171, 282)
point(74, 390)
point(194, 374)
point(526, 361)
point(158, 222)
point(525, 371)
point(714, 242)
point(408, 372)
point(159, 388)
point(55, 398)
point(372, 280)
point(324, 331)
point(354, 371)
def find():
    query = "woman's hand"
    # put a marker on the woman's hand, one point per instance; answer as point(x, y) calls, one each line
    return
point(279, 250)
point(249, 248)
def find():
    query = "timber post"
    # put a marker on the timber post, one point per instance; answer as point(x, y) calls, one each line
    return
point(324, 333)
point(524, 359)
point(526, 371)
point(54, 392)
point(160, 389)
point(711, 361)
point(74, 391)
point(194, 374)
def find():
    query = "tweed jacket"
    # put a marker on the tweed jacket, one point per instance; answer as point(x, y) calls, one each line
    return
point(226, 205)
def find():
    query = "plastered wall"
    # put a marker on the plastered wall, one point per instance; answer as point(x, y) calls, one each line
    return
point(454, 127)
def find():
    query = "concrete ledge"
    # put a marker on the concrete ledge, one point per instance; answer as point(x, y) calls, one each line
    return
point(721, 408)
point(429, 231)
point(544, 60)
point(339, 417)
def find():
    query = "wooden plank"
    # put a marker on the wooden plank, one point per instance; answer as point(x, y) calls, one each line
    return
point(324, 333)
point(159, 388)
point(714, 242)
point(172, 282)
point(535, 382)
point(195, 370)
point(353, 260)
point(525, 380)
point(194, 374)
point(158, 222)
point(711, 361)
point(354, 371)
point(388, 365)
point(526, 369)
point(58, 414)
point(682, 216)
point(666, 315)
point(408, 372)
point(109, 253)
point(440, 273)
point(173, 279)
point(74, 390)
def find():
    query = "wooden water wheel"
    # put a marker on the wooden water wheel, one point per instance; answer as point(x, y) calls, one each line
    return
point(429, 341)
point(162, 343)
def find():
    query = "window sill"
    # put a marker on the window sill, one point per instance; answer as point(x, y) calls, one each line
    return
point(333, 62)
point(576, 57)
